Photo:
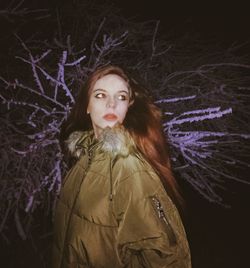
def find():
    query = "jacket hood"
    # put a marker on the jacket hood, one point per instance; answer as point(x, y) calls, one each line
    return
point(116, 141)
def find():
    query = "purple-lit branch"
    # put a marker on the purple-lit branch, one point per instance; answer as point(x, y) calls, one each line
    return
point(15, 8)
point(175, 99)
point(109, 44)
point(47, 76)
point(209, 113)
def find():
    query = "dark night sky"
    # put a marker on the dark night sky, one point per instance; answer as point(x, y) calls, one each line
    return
point(225, 20)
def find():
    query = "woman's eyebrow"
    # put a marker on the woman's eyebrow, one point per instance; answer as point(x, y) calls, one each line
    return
point(119, 91)
point(99, 89)
point(123, 91)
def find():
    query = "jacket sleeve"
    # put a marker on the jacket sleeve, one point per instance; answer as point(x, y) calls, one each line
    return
point(150, 232)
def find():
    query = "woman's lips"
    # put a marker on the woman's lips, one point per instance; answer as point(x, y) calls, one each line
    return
point(110, 117)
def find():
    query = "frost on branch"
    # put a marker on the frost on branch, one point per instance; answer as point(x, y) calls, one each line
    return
point(205, 152)
point(203, 92)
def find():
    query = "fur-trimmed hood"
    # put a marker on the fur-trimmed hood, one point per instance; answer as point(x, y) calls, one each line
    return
point(116, 141)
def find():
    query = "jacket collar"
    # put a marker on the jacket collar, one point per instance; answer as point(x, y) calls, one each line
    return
point(116, 141)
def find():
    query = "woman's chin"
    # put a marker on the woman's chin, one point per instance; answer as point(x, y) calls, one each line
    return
point(111, 124)
point(99, 128)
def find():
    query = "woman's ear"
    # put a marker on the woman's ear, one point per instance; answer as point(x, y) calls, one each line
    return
point(131, 103)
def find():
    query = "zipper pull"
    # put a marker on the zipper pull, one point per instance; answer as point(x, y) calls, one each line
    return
point(161, 215)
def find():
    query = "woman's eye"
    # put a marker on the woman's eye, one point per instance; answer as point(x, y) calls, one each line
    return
point(122, 97)
point(100, 95)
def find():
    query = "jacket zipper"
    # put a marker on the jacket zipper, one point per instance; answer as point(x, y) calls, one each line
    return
point(73, 206)
point(161, 215)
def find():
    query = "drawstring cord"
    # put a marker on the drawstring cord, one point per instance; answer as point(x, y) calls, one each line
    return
point(110, 180)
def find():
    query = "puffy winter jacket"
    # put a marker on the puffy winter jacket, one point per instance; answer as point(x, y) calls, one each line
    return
point(113, 210)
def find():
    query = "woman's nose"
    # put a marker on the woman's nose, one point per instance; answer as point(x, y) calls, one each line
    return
point(111, 103)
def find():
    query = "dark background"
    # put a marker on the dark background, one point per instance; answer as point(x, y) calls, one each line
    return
point(226, 20)
point(218, 236)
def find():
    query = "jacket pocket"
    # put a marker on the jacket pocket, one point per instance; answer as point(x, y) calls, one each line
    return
point(164, 221)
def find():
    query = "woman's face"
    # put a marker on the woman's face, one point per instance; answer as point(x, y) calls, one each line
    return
point(108, 102)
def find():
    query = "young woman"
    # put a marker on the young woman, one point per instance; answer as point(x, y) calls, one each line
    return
point(116, 203)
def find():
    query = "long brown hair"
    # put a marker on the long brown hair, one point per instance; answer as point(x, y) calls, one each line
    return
point(143, 121)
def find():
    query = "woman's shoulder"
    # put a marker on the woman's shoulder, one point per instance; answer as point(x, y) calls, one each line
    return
point(132, 163)
point(134, 173)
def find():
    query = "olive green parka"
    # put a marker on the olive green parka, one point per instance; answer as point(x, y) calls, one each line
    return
point(113, 210)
